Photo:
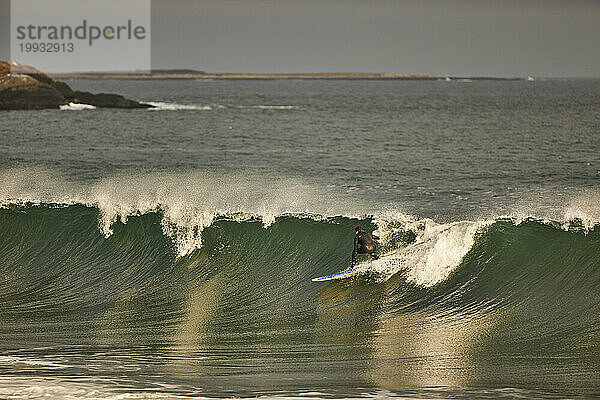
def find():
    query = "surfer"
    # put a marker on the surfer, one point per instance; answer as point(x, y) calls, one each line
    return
point(364, 244)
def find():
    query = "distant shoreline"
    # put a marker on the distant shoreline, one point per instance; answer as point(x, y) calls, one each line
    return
point(165, 74)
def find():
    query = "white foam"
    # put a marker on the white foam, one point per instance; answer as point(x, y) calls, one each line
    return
point(162, 106)
point(77, 107)
point(392, 222)
point(437, 251)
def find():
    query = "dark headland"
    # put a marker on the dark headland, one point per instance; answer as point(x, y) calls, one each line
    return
point(23, 87)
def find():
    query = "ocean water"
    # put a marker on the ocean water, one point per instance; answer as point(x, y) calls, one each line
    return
point(168, 253)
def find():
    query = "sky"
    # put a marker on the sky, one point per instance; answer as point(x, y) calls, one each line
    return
point(503, 38)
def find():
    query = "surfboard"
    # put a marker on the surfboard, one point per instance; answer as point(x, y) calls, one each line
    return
point(340, 275)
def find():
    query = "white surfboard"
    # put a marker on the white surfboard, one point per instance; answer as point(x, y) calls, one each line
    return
point(340, 275)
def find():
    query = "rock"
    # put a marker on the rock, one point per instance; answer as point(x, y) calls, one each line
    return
point(106, 100)
point(4, 68)
point(23, 87)
point(64, 89)
point(23, 92)
point(16, 68)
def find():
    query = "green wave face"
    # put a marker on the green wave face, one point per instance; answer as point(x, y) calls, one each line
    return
point(519, 308)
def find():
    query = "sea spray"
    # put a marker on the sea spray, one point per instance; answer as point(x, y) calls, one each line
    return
point(428, 252)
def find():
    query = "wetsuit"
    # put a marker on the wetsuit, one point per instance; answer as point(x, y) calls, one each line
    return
point(364, 244)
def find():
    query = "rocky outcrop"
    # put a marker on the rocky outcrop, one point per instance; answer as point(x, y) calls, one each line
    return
point(64, 89)
point(4, 68)
point(23, 92)
point(105, 100)
point(25, 88)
